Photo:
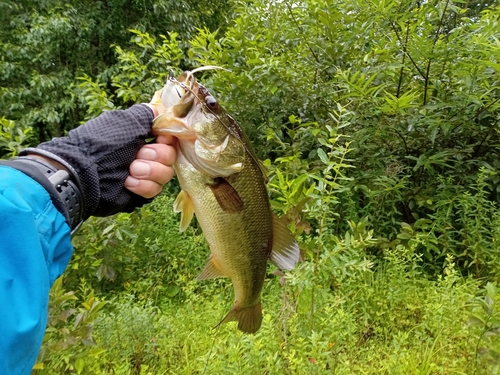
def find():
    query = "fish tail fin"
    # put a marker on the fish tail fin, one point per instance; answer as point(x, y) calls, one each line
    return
point(249, 318)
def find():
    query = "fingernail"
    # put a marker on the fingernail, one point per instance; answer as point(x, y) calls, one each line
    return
point(140, 169)
point(148, 153)
point(131, 182)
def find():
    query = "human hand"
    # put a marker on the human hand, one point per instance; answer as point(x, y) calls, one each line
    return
point(100, 153)
point(152, 167)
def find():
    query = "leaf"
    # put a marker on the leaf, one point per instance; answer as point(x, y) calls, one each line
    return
point(475, 321)
point(79, 365)
point(322, 155)
point(38, 366)
point(172, 290)
point(404, 236)
point(108, 229)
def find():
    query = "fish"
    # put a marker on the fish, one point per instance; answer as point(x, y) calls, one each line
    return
point(224, 185)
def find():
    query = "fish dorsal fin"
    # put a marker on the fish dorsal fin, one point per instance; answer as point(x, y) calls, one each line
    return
point(227, 197)
point(210, 271)
point(184, 204)
point(285, 252)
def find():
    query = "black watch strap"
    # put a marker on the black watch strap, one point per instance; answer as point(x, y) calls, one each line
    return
point(61, 186)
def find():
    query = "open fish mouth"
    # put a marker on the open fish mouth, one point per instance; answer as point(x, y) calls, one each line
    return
point(174, 86)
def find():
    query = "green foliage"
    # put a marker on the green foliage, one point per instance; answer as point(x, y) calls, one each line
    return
point(112, 252)
point(12, 138)
point(93, 96)
point(386, 319)
point(463, 225)
point(145, 70)
point(68, 341)
point(415, 100)
point(378, 122)
point(486, 316)
point(46, 45)
point(132, 333)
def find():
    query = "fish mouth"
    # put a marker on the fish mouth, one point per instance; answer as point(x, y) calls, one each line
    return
point(178, 97)
point(177, 102)
point(172, 92)
point(176, 88)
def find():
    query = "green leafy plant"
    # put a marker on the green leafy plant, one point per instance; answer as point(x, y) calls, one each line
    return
point(378, 122)
point(69, 344)
point(486, 317)
point(12, 138)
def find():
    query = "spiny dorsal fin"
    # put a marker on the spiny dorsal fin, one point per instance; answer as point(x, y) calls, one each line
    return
point(285, 252)
point(184, 204)
point(227, 197)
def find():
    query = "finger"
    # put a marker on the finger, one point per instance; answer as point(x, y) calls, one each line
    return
point(166, 139)
point(151, 170)
point(160, 152)
point(144, 188)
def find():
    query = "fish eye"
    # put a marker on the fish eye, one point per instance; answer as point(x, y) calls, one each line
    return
point(212, 103)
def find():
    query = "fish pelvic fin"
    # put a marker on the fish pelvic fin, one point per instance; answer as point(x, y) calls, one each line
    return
point(226, 195)
point(184, 204)
point(249, 318)
point(285, 251)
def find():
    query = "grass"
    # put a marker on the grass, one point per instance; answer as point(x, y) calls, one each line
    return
point(395, 322)
point(342, 312)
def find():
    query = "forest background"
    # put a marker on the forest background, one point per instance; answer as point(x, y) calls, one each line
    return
point(379, 122)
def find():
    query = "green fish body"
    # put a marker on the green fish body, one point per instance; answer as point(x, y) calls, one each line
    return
point(223, 183)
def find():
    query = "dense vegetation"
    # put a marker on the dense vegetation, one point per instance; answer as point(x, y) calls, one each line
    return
point(379, 123)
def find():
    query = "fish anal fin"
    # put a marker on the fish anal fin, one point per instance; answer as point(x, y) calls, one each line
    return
point(249, 318)
point(210, 271)
point(227, 197)
point(184, 204)
point(285, 251)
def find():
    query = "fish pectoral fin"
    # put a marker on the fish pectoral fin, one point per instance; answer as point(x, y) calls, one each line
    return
point(227, 197)
point(210, 271)
point(249, 318)
point(285, 251)
point(184, 204)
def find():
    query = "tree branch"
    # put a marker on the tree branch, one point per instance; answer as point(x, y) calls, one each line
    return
point(436, 37)
point(409, 56)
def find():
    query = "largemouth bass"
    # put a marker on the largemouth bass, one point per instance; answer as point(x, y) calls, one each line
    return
point(224, 184)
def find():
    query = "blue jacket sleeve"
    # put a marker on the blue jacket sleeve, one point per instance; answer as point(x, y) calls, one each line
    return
point(35, 248)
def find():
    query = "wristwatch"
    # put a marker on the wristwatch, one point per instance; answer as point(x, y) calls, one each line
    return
point(58, 178)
